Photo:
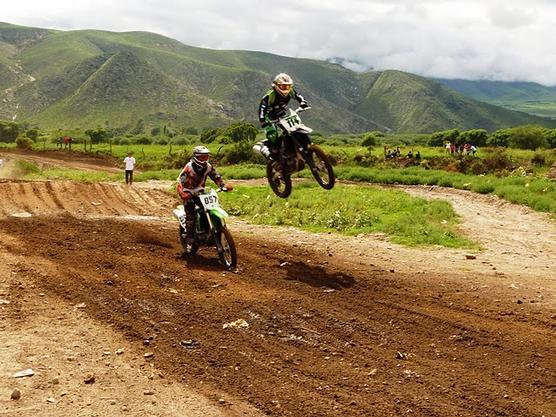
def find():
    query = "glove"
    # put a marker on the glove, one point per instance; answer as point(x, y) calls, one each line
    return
point(303, 104)
point(271, 133)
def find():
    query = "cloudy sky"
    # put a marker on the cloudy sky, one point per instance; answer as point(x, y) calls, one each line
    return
point(505, 40)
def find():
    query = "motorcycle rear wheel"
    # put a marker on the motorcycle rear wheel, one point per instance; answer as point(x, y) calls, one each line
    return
point(226, 248)
point(321, 168)
point(280, 183)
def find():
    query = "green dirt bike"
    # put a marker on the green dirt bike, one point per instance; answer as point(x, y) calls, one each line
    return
point(297, 151)
point(210, 228)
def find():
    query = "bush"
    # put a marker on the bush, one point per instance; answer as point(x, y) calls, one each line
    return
point(23, 142)
point(143, 140)
point(538, 159)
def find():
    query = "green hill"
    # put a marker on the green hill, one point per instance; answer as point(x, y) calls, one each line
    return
point(528, 97)
point(88, 78)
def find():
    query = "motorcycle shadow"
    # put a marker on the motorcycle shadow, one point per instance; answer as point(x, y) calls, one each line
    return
point(205, 261)
point(316, 276)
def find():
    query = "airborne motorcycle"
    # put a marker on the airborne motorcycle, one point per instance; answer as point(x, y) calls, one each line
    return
point(210, 228)
point(296, 151)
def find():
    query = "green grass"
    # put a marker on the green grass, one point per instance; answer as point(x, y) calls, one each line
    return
point(352, 210)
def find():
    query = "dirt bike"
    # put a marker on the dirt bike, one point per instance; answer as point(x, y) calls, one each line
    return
point(210, 228)
point(296, 151)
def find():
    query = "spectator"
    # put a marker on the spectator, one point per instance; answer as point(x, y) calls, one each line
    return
point(473, 149)
point(60, 142)
point(129, 162)
point(410, 155)
point(418, 156)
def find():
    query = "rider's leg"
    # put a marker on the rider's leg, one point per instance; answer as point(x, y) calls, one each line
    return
point(189, 207)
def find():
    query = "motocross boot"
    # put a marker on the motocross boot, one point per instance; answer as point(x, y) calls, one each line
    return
point(189, 234)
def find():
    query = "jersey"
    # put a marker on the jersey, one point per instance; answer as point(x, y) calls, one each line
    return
point(274, 104)
point(191, 181)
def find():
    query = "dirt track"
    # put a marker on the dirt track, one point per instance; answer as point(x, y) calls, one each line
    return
point(336, 326)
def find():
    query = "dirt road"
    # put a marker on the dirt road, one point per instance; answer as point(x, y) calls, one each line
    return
point(92, 283)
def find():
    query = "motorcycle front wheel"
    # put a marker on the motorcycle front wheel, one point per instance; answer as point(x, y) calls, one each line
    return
point(226, 248)
point(280, 183)
point(321, 168)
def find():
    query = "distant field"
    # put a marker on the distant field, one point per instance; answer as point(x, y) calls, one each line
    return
point(538, 108)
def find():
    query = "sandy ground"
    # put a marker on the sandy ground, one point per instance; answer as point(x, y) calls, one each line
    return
point(92, 284)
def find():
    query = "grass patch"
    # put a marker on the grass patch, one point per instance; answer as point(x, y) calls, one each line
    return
point(352, 210)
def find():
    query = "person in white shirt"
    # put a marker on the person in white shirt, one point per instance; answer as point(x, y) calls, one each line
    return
point(129, 162)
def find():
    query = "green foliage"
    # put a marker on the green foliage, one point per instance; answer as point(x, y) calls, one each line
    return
point(239, 132)
point(8, 131)
point(371, 139)
point(155, 131)
point(143, 140)
point(23, 142)
point(97, 135)
point(526, 137)
point(209, 135)
point(440, 138)
point(551, 138)
point(32, 134)
point(500, 138)
point(477, 137)
point(139, 127)
point(352, 210)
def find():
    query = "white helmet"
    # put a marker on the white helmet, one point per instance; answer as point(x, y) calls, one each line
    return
point(283, 84)
point(201, 155)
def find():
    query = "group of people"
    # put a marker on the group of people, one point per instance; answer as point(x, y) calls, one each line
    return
point(461, 149)
point(396, 153)
point(64, 142)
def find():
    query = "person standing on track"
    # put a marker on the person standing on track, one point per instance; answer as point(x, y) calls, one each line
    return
point(129, 162)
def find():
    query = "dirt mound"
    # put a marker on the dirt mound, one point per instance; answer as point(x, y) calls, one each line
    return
point(55, 197)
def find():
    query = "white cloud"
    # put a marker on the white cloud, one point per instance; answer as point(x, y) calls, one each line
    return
point(473, 39)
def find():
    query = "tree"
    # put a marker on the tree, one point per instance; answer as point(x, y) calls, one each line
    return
point(239, 132)
point(477, 137)
point(527, 137)
point(9, 131)
point(370, 140)
point(499, 138)
point(551, 138)
point(97, 135)
point(32, 134)
point(440, 138)
point(139, 127)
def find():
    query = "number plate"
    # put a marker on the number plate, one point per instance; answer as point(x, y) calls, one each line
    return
point(292, 122)
point(209, 201)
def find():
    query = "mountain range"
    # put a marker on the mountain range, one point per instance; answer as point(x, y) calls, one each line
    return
point(90, 78)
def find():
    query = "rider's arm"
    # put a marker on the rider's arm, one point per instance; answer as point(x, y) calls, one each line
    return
point(300, 99)
point(181, 188)
point(215, 176)
point(263, 110)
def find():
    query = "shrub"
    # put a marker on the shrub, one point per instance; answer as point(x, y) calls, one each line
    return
point(23, 142)
point(143, 140)
point(538, 159)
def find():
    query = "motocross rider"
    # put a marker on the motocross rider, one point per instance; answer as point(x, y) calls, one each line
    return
point(191, 180)
point(272, 105)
